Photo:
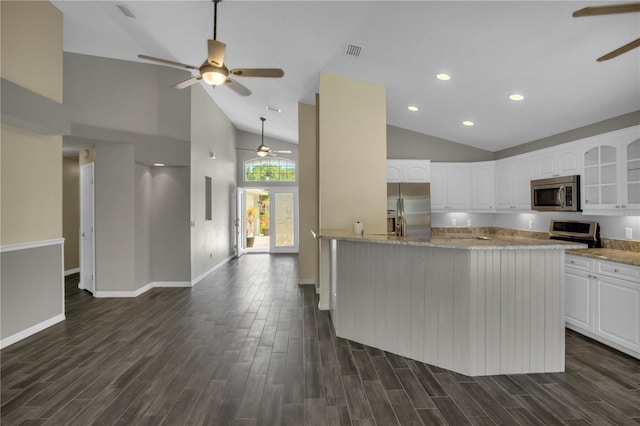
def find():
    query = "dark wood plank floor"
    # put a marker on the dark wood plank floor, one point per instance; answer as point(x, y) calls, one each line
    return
point(248, 346)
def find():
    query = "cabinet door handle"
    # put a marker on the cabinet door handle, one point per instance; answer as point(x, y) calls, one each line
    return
point(572, 262)
point(616, 270)
point(624, 207)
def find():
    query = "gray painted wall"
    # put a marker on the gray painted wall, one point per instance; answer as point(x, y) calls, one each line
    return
point(403, 143)
point(126, 96)
point(143, 187)
point(211, 131)
point(170, 233)
point(605, 126)
point(115, 218)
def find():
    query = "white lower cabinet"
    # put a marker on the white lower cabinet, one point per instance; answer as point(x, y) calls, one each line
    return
point(602, 301)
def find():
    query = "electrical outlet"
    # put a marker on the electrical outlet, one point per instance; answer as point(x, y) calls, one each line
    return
point(530, 224)
point(628, 233)
point(468, 222)
point(453, 222)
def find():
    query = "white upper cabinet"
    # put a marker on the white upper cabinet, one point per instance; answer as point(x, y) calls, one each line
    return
point(451, 186)
point(408, 171)
point(611, 180)
point(556, 162)
point(632, 183)
point(483, 186)
point(513, 182)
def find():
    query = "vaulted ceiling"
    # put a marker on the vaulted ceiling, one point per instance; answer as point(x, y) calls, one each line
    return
point(490, 50)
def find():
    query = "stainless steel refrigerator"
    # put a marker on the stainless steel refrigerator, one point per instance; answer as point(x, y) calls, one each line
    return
point(409, 209)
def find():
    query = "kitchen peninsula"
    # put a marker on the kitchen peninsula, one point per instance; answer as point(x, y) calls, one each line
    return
point(475, 305)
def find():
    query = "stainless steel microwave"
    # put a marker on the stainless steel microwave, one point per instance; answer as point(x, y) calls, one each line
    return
point(556, 194)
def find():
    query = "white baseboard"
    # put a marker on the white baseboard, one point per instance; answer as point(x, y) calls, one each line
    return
point(172, 284)
point(143, 289)
point(30, 331)
point(71, 271)
point(306, 282)
point(323, 306)
point(204, 274)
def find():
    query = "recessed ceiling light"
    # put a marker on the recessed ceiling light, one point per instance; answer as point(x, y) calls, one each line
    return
point(467, 123)
point(516, 97)
point(413, 108)
point(159, 164)
point(443, 77)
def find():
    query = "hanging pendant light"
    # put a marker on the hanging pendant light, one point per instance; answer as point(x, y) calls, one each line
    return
point(262, 150)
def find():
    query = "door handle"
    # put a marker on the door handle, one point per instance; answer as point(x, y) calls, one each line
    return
point(561, 196)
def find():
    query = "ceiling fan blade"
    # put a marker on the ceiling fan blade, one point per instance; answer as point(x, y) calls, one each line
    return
point(237, 87)
point(246, 149)
point(186, 83)
point(281, 151)
point(619, 51)
point(216, 52)
point(607, 10)
point(257, 72)
point(168, 62)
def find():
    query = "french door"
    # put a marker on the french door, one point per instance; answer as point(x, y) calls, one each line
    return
point(267, 220)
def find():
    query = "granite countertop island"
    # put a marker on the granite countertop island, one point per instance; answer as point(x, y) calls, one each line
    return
point(458, 241)
point(477, 303)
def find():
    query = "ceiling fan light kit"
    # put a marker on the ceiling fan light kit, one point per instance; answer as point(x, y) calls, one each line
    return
point(213, 75)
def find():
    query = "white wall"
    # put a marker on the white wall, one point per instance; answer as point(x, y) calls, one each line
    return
point(212, 241)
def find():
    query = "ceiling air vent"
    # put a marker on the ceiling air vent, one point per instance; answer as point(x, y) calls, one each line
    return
point(353, 50)
point(126, 11)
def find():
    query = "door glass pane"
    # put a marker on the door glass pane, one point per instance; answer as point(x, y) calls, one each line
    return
point(256, 218)
point(284, 210)
point(591, 157)
point(633, 150)
point(608, 154)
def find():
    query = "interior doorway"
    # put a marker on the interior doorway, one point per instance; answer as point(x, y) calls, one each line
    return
point(87, 219)
point(268, 219)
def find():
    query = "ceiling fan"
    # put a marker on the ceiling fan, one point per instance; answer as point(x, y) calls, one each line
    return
point(263, 150)
point(213, 70)
point(607, 10)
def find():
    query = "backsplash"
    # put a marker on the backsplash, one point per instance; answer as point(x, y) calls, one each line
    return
point(609, 243)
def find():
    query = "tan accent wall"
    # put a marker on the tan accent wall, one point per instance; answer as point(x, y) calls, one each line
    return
point(31, 186)
point(71, 212)
point(353, 153)
point(31, 172)
point(308, 194)
point(32, 46)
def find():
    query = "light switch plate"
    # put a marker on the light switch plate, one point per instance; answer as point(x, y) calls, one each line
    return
point(628, 233)
point(453, 222)
point(468, 222)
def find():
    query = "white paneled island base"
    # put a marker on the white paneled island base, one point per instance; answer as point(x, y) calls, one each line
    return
point(474, 309)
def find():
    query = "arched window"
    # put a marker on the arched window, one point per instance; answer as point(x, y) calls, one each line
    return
point(270, 169)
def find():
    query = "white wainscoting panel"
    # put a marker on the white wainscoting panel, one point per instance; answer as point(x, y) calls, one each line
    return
point(477, 312)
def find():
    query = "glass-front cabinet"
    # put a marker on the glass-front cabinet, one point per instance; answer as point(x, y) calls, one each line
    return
point(611, 179)
point(633, 174)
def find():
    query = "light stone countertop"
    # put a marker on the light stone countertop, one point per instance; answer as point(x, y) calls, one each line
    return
point(489, 242)
point(612, 255)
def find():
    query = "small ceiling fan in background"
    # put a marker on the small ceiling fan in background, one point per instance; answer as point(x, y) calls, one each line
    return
point(213, 70)
point(608, 10)
point(263, 150)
